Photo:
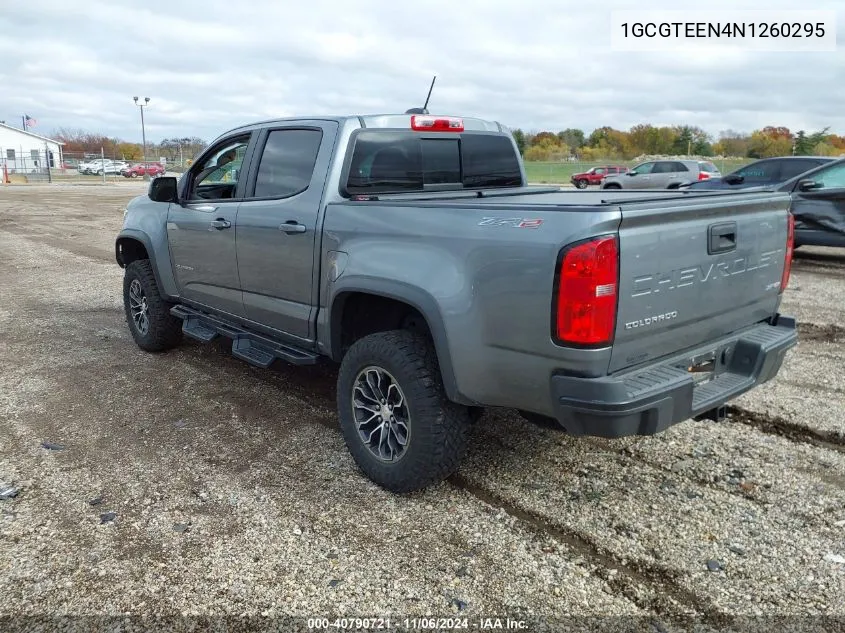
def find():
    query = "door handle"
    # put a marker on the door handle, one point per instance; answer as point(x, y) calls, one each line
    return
point(205, 208)
point(292, 226)
point(219, 224)
point(721, 238)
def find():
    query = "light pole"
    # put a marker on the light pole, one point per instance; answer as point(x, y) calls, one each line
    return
point(143, 132)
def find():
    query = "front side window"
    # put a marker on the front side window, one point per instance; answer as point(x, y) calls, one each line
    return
point(832, 177)
point(287, 163)
point(217, 176)
point(645, 168)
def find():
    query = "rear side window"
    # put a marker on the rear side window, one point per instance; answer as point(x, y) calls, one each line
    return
point(287, 163)
point(676, 167)
point(391, 161)
point(761, 171)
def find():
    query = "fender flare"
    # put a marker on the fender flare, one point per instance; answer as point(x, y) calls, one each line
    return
point(146, 242)
point(416, 298)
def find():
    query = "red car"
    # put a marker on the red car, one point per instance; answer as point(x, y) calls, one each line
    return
point(138, 169)
point(595, 175)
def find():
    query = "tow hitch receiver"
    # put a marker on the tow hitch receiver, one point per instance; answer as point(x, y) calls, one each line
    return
point(717, 414)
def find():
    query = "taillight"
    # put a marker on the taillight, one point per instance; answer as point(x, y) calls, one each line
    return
point(586, 292)
point(790, 246)
point(703, 175)
point(425, 123)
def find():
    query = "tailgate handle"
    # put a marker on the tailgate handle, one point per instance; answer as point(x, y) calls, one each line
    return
point(722, 238)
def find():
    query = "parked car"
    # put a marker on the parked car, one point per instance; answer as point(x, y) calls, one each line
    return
point(766, 171)
point(100, 166)
point(595, 175)
point(548, 314)
point(139, 169)
point(662, 174)
point(113, 167)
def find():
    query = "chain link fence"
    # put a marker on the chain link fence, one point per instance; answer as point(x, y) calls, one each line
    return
point(22, 165)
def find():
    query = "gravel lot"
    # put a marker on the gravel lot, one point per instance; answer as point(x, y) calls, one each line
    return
point(191, 484)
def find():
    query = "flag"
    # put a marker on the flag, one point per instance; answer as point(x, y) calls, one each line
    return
point(30, 122)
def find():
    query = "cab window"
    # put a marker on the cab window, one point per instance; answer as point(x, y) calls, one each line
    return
point(216, 177)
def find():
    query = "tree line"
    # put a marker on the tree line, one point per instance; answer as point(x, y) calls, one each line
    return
point(604, 143)
point(607, 143)
point(91, 143)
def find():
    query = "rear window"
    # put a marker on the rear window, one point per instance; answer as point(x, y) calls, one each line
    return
point(708, 167)
point(399, 161)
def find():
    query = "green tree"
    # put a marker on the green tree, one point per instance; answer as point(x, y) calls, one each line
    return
point(519, 138)
point(572, 137)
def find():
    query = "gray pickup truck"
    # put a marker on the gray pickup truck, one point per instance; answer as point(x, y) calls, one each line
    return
point(410, 250)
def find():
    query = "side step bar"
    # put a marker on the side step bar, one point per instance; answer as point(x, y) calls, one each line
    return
point(254, 348)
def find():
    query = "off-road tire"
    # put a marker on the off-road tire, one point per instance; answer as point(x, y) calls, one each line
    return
point(581, 183)
point(165, 330)
point(437, 439)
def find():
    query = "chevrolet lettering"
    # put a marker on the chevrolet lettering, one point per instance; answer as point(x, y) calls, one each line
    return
point(704, 273)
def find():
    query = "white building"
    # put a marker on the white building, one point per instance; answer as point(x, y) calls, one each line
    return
point(23, 151)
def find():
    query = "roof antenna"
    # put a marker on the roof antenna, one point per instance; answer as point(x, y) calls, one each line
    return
point(424, 109)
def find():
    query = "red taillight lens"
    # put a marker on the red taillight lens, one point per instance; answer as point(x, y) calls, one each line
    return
point(586, 293)
point(790, 246)
point(424, 123)
point(703, 175)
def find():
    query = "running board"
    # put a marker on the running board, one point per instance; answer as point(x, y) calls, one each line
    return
point(251, 347)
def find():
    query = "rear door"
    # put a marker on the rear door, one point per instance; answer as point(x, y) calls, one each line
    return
point(693, 270)
point(277, 225)
point(663, 174)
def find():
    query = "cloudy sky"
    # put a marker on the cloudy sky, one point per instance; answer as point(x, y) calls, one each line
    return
point(210, 65)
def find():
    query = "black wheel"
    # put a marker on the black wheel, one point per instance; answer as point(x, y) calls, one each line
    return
point(400, 427)
point(581, 183)
point(147, 313)
point(612, 186)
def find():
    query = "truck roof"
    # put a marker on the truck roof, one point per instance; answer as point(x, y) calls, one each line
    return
point(387, 120)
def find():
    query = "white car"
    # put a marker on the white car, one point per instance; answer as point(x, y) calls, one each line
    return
point(100, 166)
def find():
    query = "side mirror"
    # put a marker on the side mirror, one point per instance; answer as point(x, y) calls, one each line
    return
point(808, 184)
point(630, 173)
point(163, 189)
point(733, 179)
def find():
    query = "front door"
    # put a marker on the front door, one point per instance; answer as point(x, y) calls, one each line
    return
point(277, 225)
point(201, 230)
point(820, 212)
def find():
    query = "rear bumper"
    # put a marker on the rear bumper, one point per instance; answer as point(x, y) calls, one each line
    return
point(651, 399)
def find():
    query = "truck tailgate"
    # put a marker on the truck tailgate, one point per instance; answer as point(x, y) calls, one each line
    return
point(693, 270)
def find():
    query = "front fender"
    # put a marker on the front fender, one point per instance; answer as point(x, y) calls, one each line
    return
point(146, 222)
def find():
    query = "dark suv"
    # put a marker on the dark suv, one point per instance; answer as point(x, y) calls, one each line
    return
point(768, 171)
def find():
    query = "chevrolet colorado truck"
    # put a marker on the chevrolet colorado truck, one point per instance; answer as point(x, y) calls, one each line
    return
point(409, 250)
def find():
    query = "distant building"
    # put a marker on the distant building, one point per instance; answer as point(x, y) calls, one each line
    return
point(23, 151)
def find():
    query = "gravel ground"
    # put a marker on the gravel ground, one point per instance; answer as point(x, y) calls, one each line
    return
point(191, 484)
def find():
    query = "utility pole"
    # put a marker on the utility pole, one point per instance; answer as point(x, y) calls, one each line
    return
point(47, 162)
point(143, 132)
